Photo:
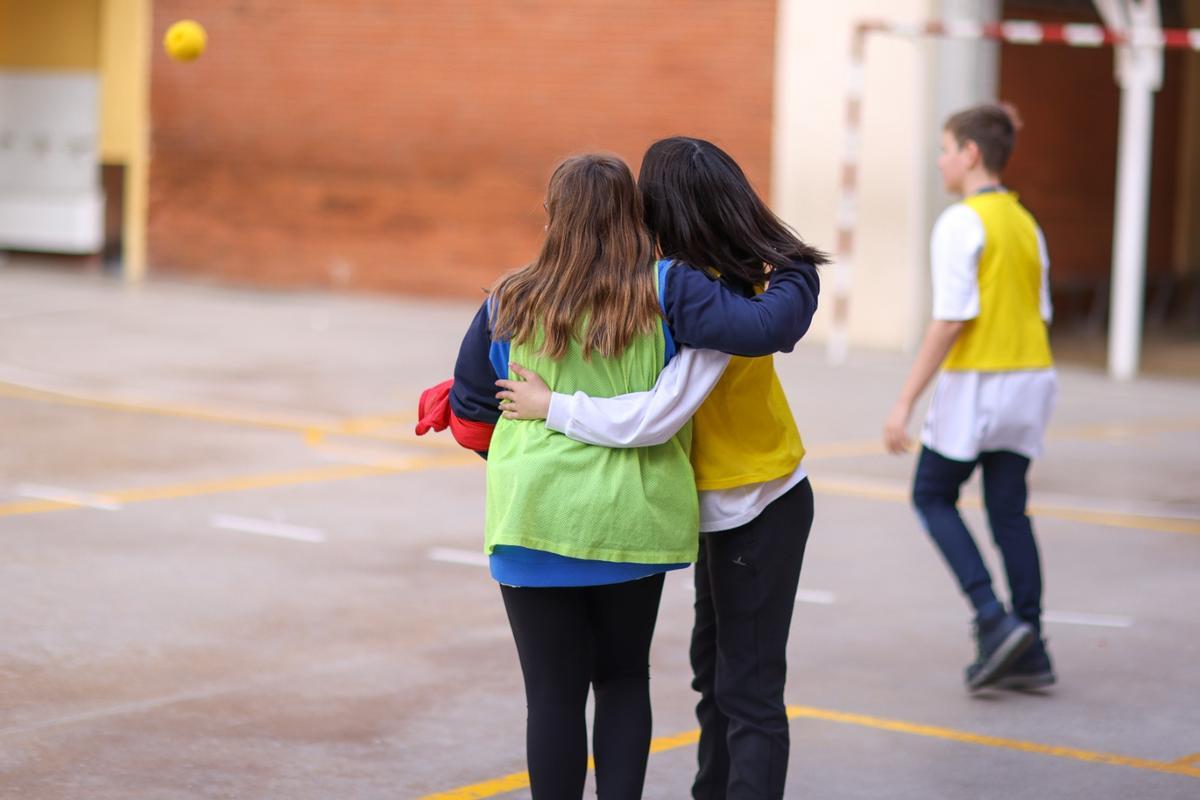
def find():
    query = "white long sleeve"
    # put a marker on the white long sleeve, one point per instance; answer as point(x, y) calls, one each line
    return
point(954, 250)
point(1044, 301)
point(641, 419)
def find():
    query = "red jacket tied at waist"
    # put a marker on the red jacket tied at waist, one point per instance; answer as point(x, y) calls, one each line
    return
point(434, 413)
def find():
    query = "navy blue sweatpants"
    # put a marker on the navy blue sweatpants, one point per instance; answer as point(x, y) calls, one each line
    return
point(935, 495)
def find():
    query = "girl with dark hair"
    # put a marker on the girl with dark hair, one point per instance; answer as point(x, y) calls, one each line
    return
point(579, 537)
point(756, 503)
point(702, 210)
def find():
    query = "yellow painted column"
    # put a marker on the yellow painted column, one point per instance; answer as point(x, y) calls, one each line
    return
point(125, 117)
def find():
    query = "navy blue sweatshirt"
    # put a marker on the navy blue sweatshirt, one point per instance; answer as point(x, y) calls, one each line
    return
point(701, 312)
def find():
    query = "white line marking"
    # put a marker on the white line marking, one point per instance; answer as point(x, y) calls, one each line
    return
point(1093, 620)
point(816, 596)
point(59, 495)
point(205, 693)
point(471, 558)
point(264, 527)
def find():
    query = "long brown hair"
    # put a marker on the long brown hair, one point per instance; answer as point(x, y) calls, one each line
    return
point(594, 278)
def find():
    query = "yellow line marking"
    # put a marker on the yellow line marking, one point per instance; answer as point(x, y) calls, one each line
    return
point(245, 483)
point(310, 427)
point(1103, 430)
point(1115, 520)
point(1123, 430)
point(1187, 760)
point(315, 432)
point(277, 422)
point(476, 791)
point(849, 488)
point(520, 780)
point(664, 743)
point(379, 422)
point(34, 507)
point(949, 734)
point(847, 449)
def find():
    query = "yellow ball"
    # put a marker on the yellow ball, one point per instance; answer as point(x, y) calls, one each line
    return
point(185, 40)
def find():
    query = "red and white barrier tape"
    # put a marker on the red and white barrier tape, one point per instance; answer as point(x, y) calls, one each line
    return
point(1010, 31)
point(1023, 32)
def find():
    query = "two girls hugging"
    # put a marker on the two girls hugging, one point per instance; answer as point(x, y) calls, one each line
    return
point(640, 427)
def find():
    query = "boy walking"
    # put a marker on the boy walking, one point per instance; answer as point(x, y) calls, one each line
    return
point(991, 305)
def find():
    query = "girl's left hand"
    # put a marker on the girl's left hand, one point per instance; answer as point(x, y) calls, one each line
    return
point(528, 398)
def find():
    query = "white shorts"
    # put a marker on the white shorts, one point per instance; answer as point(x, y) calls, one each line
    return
point(976, 412)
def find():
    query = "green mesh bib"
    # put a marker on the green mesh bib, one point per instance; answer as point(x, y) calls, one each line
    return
point(547, 492)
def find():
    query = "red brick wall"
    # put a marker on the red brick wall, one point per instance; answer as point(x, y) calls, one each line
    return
point(404, 145)
point(1065, 163)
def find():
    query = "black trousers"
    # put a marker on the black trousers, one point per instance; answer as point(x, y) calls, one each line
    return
point(569, 639)
point(746, 582)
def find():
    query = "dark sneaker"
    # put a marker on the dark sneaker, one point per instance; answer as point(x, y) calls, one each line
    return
point(1000, 642)
point(1032, 670)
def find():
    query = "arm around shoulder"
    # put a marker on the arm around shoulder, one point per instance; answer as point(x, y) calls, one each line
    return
point(641, 419)
point(704, 313)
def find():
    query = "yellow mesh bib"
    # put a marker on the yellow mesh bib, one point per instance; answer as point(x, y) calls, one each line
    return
point(744, 433)
point(1009, 333)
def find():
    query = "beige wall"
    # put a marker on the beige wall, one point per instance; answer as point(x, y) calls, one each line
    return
point(896, 163)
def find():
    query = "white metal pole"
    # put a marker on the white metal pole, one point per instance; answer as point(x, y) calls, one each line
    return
point(1130, 221)
point(1139, 68)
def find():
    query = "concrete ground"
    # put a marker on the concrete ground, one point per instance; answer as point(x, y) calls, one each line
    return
point(228, 570)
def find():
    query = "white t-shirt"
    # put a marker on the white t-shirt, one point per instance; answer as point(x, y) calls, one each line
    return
point(643, 419)
point(974, 412)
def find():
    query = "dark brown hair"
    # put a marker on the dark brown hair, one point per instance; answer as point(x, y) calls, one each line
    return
point(594, 278)
point(992, 127)
point(703, 211)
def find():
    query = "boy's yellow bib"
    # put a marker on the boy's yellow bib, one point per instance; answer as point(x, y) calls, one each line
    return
point(1009, 333)
point(744, 432)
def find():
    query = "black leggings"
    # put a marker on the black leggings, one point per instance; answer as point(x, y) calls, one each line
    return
point(571, 638)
